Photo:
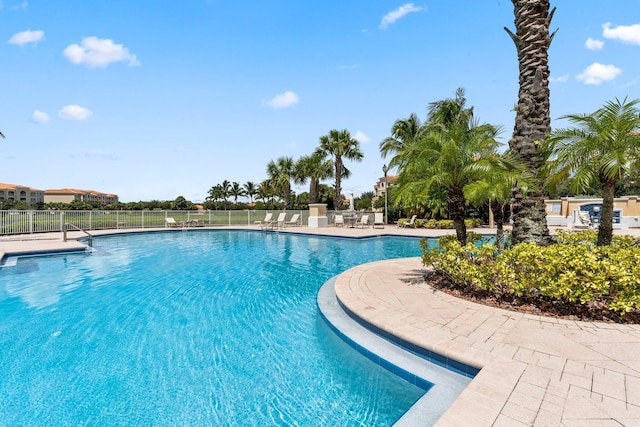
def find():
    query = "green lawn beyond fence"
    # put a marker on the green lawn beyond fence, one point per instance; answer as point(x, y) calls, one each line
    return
point(27, 222)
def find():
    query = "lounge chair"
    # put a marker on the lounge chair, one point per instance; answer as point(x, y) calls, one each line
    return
point(267, 219)
point(171, 223)
point(338, 221)
point(279, 223)
point(411, 223)
point(294, 221)
point(363, 222)
point(378, 220)
point(583, 220)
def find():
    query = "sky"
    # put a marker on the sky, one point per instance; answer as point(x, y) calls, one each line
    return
point(155, 99)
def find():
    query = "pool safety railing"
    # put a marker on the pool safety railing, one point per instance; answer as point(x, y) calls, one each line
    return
point(68, 225)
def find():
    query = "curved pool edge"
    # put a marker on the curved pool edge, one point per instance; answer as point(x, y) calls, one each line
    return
point(444, 385)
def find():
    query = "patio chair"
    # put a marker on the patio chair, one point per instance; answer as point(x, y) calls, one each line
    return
point(411, 223)
point(267, 218)
point(170, 222)
point(584, 220)
point(281, 219)
point(378, 220)
point(338, 221)
point(363, 222)
point(294, 221)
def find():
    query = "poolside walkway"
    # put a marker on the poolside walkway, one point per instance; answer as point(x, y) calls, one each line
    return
point(536, 371)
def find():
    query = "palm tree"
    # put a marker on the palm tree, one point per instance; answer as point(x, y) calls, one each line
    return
point(449, 156)
point(403, 133)
point(316, 168)
point(250, 190)
point(603, 147)
point(340, 145)
point(495, 186)
point(533, 121)
point(225, 191)
point(236, 191)
point(280, 173)
point(215, 194)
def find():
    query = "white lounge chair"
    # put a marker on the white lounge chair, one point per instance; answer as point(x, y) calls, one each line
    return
point(363, 221)
point(294, 221)
point(338, 221)
point(411, 223)
point(266, 219)
point(282, 216)
point(378, 220)
point(170, 222)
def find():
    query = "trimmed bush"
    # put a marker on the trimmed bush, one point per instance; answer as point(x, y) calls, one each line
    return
point(572, 271)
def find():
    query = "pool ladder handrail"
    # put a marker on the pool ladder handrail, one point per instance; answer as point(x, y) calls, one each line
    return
point(66, 228)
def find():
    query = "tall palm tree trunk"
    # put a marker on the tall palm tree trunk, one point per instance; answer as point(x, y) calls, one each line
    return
point(337, 196)
point(313, 190)
point(605, 230)
point(533, 121)
point(456, 207)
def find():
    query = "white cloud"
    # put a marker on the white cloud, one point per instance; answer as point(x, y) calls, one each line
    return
point(360, 136)
point(40, 117)
point(348, 67)
point(283, 100)
point(593, 44)
point(597, 73)
point(97, 53)
point(101, 155)
point(74, 112)
point(25, 37)
point(394, 15)
point(560, 79)
point(624, 33)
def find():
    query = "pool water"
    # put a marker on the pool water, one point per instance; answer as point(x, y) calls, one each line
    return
point(190, 328)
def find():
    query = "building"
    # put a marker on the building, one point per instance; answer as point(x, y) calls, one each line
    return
point(68, 195)
point(381, 186)
point(31, 196)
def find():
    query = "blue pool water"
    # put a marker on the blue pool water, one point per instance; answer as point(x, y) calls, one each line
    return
point(189, 328)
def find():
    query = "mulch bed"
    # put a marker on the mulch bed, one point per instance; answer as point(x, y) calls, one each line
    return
point(539, 306)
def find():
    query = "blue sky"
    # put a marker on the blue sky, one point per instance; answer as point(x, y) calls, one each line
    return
point(152, 99)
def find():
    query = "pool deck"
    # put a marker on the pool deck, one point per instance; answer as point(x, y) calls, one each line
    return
point(535, 370)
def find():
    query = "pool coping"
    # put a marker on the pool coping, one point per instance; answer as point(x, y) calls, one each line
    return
point(442, 386)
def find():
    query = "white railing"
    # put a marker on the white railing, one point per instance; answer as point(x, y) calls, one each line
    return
point(29, 222)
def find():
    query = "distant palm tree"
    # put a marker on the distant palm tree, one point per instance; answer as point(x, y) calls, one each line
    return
point(340, 145)
point(236, 191)
point(226, 188)
point(250, 190)
point(215, 194)
point(280, 173)
point(602, 147)
point(315, 168)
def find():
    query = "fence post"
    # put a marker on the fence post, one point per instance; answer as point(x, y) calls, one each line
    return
point(229, 218)
point(30, 222)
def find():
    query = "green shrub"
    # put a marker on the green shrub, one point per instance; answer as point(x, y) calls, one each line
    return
point(573, 271)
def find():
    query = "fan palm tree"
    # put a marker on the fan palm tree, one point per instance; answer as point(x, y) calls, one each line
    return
point(315, 168)
point(280, 173)
point(340, 145)
point(250, 190)
point(448, 157)
point(601, 147)
point(533, 121)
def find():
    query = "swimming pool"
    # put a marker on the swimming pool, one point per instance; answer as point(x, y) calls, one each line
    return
point(198, 328)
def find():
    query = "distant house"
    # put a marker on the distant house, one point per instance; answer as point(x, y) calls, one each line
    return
point(68, 195)
point(30, 196)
